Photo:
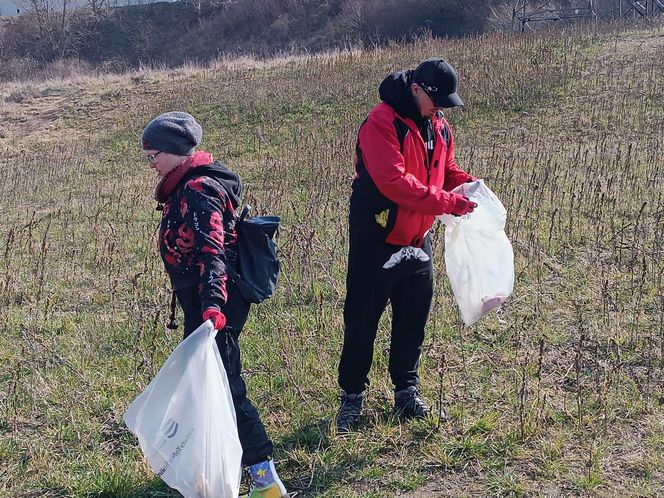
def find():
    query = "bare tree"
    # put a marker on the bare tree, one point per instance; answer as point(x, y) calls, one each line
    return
point(203, 5)
point(98, 5)
point(51, 19)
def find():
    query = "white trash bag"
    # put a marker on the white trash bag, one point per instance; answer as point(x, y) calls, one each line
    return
point(478, 256)
point(185, 421)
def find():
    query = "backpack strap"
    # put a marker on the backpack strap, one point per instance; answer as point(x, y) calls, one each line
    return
point(230, 271)
point(172, 324)
point(244, 213)
point(446, 135)
point(402, 132)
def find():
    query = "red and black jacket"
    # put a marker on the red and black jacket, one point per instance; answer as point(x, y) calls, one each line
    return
point(197, 236)
point(405, 168)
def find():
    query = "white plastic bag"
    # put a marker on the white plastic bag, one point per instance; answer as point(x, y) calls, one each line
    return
point(478, 256)
point(185, 421)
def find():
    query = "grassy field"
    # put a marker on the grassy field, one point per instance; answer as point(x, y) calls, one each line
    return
point(559, 394)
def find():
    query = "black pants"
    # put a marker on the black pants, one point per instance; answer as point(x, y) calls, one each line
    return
point(407, 283)
point(256, 446)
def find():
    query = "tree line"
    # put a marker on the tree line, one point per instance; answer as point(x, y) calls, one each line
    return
point(54, 37)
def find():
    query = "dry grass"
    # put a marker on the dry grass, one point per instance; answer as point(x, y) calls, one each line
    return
point(559, 395)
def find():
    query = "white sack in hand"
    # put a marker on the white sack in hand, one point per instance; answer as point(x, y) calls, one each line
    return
point(478, 256)
point(185, 421)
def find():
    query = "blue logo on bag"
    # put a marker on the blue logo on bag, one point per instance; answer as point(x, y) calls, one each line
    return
point(170, 428)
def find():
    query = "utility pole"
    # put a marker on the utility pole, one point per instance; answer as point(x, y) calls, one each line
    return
point(526, 13)
point(640, 8)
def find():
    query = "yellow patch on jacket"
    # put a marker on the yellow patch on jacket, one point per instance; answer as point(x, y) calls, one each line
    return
point(381, 218)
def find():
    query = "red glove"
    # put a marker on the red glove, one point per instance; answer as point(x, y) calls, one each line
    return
point(460, 205)
point(217, 317)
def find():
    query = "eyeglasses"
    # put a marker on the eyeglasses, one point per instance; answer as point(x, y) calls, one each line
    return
point(152, 158)
point(430, 91)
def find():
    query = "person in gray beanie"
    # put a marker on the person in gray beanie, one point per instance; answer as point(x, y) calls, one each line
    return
point(197, 240)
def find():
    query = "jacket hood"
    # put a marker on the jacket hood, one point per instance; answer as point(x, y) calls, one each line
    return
point(229, 180)
point(395, 91)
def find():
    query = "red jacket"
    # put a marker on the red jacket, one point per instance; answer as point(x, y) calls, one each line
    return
point(397, 190)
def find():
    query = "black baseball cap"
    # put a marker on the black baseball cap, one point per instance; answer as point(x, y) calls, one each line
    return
point(439, 81)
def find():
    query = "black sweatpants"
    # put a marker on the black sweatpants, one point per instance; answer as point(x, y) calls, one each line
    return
point(256, 446)
point(378, 273)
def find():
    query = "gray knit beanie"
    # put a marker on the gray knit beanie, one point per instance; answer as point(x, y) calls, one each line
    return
point(173, 132)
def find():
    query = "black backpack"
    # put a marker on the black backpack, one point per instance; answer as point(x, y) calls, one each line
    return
point(257, 264)
point(256, 270)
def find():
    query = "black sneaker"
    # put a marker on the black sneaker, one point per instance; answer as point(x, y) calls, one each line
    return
point(349, 411)
point(409, 404)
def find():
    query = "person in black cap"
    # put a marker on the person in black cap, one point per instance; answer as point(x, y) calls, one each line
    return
point(405, 169)
point(197, 240)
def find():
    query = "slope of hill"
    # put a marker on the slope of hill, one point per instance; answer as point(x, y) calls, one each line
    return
point(169, 34)
point(560, 394)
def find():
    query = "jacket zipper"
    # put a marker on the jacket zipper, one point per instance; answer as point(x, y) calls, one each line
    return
point(427, 165)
